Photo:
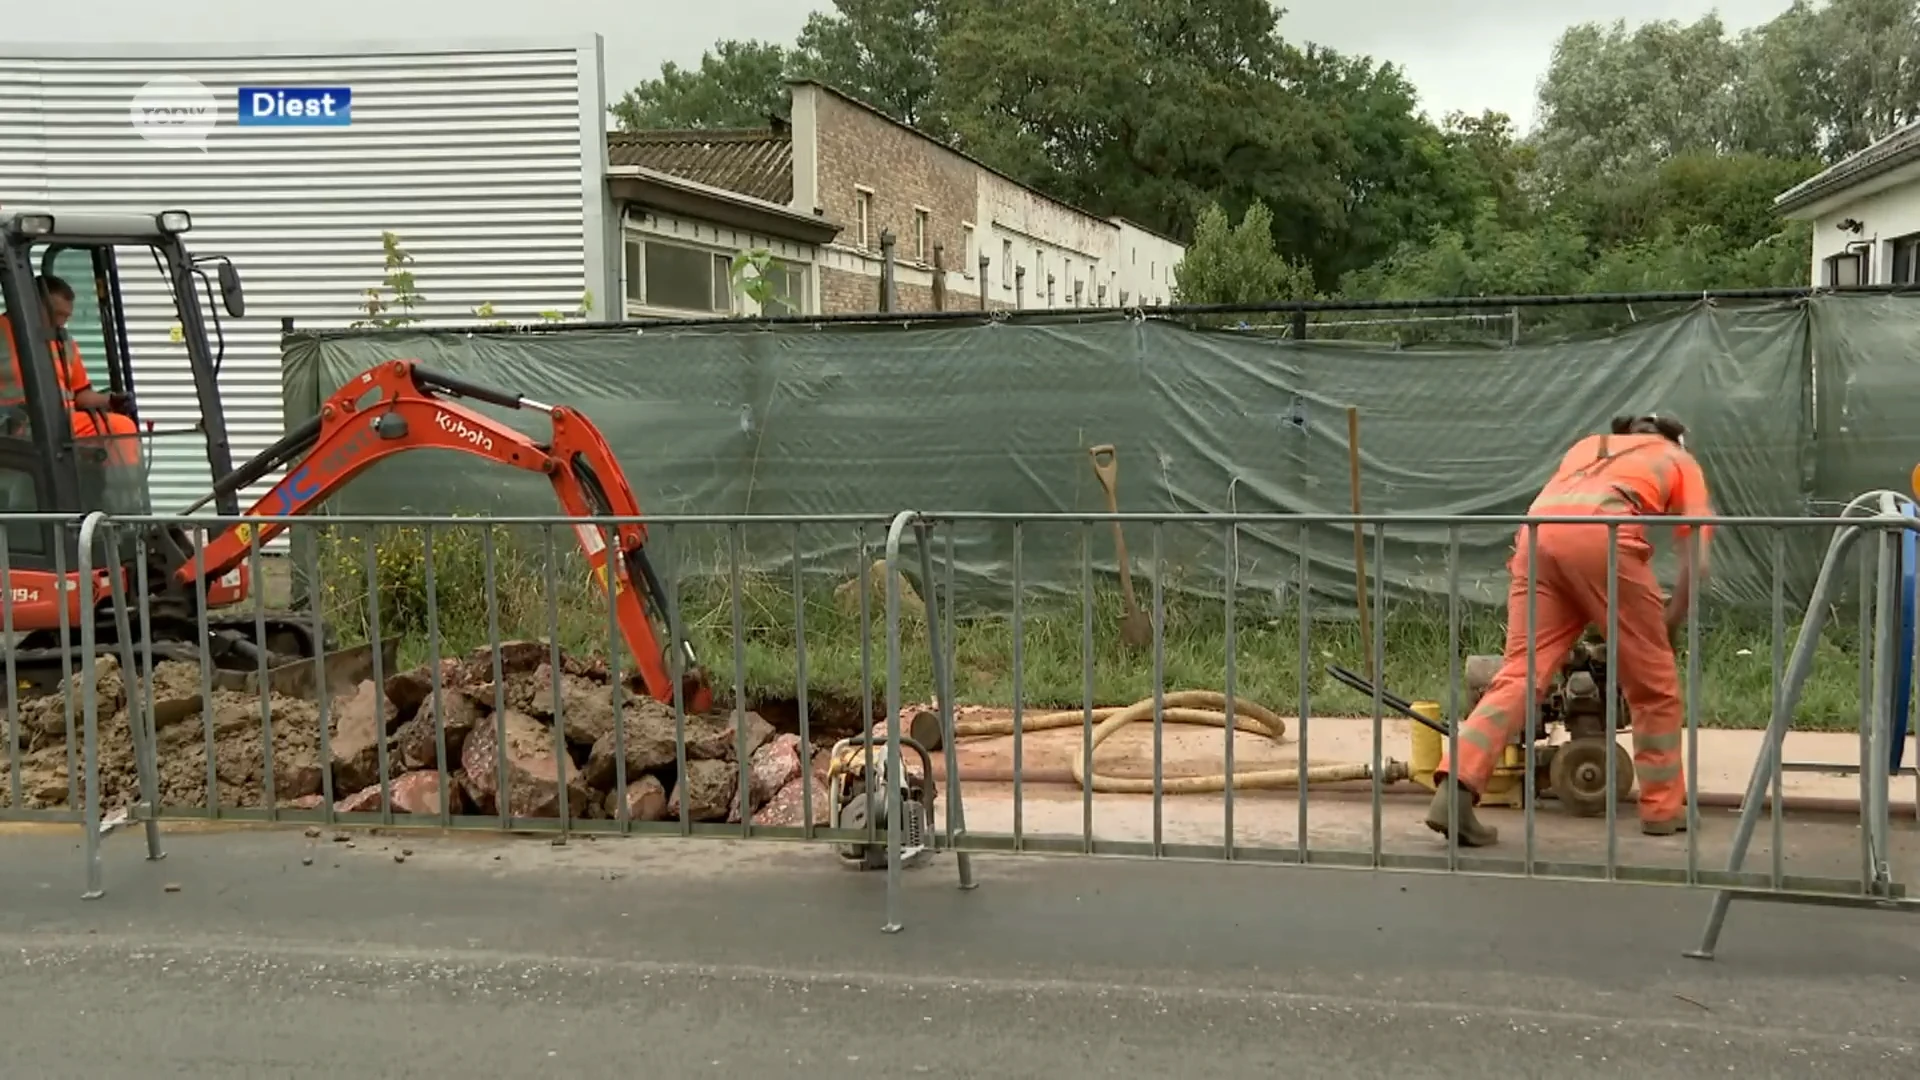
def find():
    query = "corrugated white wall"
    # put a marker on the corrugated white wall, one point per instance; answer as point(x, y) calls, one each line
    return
point(488, 160)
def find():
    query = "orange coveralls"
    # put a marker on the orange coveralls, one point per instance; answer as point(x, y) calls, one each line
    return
point(1602, 475)
point(124, 448)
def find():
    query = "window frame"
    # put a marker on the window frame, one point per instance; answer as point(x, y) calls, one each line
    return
point(863, 215)
point(1832, 264)
point(1904, 250)
point(721, 299)
point(922, 234)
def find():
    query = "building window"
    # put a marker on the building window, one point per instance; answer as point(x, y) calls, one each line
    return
point(1150, 270)
point(863, 215)
point(1123, 298)
point(969, 252)
point(1039, 265)
point(663, 275)
point(1845, 270)
point(1134, 254)
point(1905, 268)
point(789, 282)
point(1100, 296)
point(920, 233)
point(1006, 264)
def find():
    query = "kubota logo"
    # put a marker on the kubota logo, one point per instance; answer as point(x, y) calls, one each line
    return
point(458, 428)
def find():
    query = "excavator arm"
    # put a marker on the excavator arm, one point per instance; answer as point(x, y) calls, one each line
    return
point(400, 406)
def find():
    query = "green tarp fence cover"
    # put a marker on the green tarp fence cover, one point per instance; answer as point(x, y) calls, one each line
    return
point(997, 416)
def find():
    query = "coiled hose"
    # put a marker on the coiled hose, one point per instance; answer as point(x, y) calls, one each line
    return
point(1201, 708)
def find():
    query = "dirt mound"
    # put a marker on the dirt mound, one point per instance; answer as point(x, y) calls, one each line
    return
point(532, 742)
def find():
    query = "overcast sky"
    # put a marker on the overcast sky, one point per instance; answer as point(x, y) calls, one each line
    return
point(1463, 54)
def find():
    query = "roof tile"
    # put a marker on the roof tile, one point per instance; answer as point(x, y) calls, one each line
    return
point(756, 162)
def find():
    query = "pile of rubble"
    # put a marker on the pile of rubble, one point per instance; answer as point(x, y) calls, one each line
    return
point(526, 770)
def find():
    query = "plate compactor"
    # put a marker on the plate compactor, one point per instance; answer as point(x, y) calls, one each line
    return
point(1573, 770)
point(858, 799)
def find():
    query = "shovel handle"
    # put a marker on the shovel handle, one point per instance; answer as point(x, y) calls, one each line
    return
point(1106, 467)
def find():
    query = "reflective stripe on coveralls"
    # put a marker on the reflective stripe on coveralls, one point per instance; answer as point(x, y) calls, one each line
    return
point(1570, 590)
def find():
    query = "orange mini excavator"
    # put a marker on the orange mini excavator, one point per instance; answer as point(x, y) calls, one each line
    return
point(393, 408)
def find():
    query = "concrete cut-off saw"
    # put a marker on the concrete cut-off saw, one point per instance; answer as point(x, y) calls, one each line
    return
point(858, 799)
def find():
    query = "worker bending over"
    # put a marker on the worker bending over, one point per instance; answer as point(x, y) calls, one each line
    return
point(94, 415)
point(1641, 468)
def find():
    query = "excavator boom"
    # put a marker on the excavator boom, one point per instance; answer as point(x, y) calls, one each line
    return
point(400, 406)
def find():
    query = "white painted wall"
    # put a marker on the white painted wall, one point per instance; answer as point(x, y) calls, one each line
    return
point(721, 240)
point(1144, 265)
point(1048, 238)
point(1887, 207)
point(487, 158)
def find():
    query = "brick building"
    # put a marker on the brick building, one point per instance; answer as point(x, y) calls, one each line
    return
point(818, 191)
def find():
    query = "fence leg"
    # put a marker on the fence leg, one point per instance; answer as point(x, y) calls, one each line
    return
point(1788, 699)
point(891, 773)
point(144, 763)
point(89, 708)
point(943, 684)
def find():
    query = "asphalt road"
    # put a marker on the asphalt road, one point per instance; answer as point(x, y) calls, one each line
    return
point(236, 957)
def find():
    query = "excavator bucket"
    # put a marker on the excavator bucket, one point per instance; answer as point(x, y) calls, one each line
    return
point(343, 669)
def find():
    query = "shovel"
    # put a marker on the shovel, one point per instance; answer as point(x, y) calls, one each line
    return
point(1135, 628)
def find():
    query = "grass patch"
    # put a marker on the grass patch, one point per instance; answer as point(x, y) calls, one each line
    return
point(542, 588)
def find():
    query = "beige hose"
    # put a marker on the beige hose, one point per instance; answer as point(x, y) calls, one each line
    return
point(1197, 707)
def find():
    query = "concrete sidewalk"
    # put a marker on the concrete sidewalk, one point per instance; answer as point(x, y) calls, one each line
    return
point(1726, 758)
point(260, 952)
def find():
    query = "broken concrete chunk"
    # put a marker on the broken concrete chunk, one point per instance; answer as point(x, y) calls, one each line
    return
point(533, 772)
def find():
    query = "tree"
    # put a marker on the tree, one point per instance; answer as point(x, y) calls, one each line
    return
point(1237, 264)
point(882, 52)
point(738, 84)
point(1145, 109)
point(1614, 100)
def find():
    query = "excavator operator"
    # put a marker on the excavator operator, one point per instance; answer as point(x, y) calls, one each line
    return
point(1640, 468)
point(105, 417)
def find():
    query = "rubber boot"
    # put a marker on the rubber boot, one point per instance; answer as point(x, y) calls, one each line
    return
point(1451, 795)
point(1669, 827)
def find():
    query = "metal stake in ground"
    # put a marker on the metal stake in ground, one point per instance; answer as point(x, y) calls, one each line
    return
point(1136, 629)
point(1359, 541)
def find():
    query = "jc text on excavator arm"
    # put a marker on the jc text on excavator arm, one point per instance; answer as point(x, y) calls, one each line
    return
point(401, 406)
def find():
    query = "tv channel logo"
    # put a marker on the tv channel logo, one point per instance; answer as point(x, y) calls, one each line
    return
point(175, 112)
point(296, 106)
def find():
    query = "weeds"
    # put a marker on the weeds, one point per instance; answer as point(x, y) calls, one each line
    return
point(842, 664)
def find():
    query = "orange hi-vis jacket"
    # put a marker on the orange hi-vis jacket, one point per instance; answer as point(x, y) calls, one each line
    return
point(71, 371)
point(1628, 475)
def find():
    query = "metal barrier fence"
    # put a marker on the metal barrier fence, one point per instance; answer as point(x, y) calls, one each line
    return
point(1658, 753)
point(433, 713)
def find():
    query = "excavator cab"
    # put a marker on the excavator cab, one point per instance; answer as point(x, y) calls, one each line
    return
point(64, 322)
point(54, 456)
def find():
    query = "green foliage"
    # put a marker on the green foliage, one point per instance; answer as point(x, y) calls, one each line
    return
point(1237, 264)
point(845, 659)
point(391, 303)
point(752, 276)
point(738, 84)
